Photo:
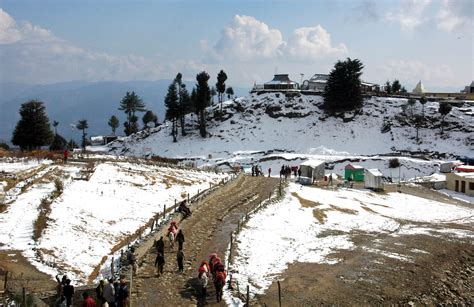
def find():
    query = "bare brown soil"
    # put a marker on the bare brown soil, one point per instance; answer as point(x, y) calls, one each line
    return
point(207, 230)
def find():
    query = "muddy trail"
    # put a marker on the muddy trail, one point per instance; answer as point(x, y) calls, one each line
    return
point(207, 230)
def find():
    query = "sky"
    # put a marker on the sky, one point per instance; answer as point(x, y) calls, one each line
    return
point(43, 42)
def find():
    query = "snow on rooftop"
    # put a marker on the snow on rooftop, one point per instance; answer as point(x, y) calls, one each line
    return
point(374, 172)
point(313, 163)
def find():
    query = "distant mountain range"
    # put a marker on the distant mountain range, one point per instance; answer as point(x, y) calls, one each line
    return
point(68, 102)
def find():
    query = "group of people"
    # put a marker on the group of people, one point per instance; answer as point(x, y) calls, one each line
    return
point(216, 269)
point(286, 171)
point(174, 234)
point(109, 293)
point(256, 170)
point(112, 293)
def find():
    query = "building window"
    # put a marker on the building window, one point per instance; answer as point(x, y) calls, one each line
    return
point(471, 185)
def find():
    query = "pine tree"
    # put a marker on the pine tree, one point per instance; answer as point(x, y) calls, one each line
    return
point(444, 109)
point(396, 86)
point(130, 104)
point(423, 101)
point(203, 97)
point(33, 129)
point(149, 117)
point(213, 94)
point(220, 86)
point(172, 108)
point(184, 101)
point(343, 90)
point(418, 120)
point(83, 125)
point(411, 104)
point(59, 143)
point(113, 123)
point(229, 92)
point(388, 87)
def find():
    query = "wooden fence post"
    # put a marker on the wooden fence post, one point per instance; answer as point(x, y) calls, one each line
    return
point(175, 203)
point(5, 283)
point(164, 212)
point(23, 295)
point(188, 197)
point(279, 294)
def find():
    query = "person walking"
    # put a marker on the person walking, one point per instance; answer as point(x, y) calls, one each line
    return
point(180, 259)
point(66, 154)
point(203, 281)
point(330, 179)
point(269, 171)
point(160, 246)
point(180, 239)
point(88, 301)
point(68, 292)
point(299, 172)
point(122, 295)
point(99, 290)
point(132, 259)
point(160, 263)
point(109, 293)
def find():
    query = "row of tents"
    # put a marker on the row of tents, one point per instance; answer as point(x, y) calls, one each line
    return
point(314, 170)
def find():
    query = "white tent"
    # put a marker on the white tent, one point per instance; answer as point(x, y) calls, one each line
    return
point(419, 89)
point(373, 179)
point(313, 170)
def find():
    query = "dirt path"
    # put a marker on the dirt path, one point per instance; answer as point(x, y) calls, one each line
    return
point(208, 230)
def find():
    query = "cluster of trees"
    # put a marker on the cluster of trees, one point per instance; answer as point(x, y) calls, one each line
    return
point(132, 104)
point(33, 130)
point(395, 87)
point(418, 120)
point(179, 102)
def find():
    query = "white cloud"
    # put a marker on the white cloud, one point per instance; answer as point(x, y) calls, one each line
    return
point(454, 14)
point(410, 15)
point(29, 53)
point(313, 43)
point(248, 39)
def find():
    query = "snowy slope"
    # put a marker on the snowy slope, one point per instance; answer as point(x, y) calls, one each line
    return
point(91, 217)
point(271, 122)
point(310, 224)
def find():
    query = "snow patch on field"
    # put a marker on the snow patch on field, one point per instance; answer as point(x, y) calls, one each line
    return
point(91, 217)
point(310, 224)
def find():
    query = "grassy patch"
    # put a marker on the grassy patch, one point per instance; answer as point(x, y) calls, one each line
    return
point(320, 215)
point(344, 210)
point(41, 222)
point(304, 202)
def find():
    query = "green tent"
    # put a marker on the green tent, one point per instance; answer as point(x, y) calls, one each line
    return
point(354, 171)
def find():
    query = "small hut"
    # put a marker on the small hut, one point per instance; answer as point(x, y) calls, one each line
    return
point(312, 170)
point(373, 179)
point(356, 172)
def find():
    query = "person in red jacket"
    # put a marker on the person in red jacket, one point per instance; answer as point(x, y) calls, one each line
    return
point(88, 301)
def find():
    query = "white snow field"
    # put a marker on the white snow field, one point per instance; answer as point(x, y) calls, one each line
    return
point(91, 217)
point(259, 125)
point(311, 223)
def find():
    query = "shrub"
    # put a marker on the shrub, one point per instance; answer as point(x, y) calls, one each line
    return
point(59, 186)
point(393, 163)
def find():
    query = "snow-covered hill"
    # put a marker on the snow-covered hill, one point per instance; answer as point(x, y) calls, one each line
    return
point(271, 123)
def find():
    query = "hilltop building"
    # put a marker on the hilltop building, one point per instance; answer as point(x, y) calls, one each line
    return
point(316, 83)
point(281, 82)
